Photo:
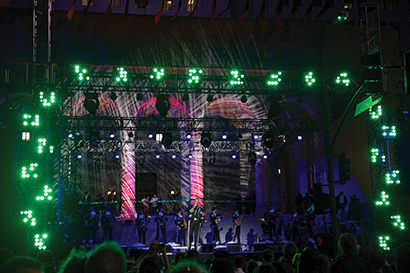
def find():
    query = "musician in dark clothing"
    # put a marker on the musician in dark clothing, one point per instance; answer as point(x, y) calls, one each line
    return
point(269, 225)
point(107, 223)
point(142, 226)
point(215, 218)
point(237, 221)
point(180, 223)
point(196, 216)
point(161, 221)
point(92, 225)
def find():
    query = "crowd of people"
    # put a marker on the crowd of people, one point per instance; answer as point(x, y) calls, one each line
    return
point(110, 258)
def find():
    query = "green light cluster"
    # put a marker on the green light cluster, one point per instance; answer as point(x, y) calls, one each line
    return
point(383, 242)
point(39, 241)
point(27, 118)
point(46, 102)
point(384, 201)
point(194, 75)
point(275, 78)
point(158, 74)
point(237, 78)
point(309, 79)
point(392, 177)
point(28, 217)
point(375, 114)
point(46, 195)
point(342, 79)
point(378, 155)
point(398, 222)
point(389, 131)
point(82, 73)
point(24, 172)
point(41, 142)
point(123, 75)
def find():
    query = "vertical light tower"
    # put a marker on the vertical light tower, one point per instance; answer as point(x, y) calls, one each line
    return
point(340, 17)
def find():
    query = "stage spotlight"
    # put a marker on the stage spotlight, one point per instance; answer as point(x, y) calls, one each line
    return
point(173, 156)
point(234, 156)
point(252, 158)
point(224, 136)
point(91, 102)
point(206, 139)
point(158, 137)
point(210, 98)
point(157, 156)
point(244, 99)
point(162, 104)
point(70, 135)
point(268, 140)
point(141, 158)
point(25, 136)
point(190, 156)
point(211, 158)
point(255, 137)
point(188, 136)
point(112, 135)
point(150, 135)
point(139, 97)
point(113, 96)
point(117, 156)
point(300, 137)
point(79, 156)
point(185, 97)
point(167, 139)
point(94, 138)
point(265, 156)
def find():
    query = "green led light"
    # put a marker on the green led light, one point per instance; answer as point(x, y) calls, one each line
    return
point(82, 73)
point(392, 177)
point(28, 119)
point(122, 76)
point(32, 169)
point(194, 75)
point(376, 113)
point(39, 241)
point(389, 131)
point(397, 222)
point(158, 74)
point(342, 79)
point(309, 79)
point(383, 240)
point(377, 155)
point(47, 102)
point(236, 78)
point(275, 78)
point(385, 199)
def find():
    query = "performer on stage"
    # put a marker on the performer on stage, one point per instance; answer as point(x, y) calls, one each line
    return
point(269, 225)
point(161, 220)
point(142, 226)
point(107, 223)
point(181, 225)
point(92, 225)
point(237, 221)
point(196, 216)
point(215, 218)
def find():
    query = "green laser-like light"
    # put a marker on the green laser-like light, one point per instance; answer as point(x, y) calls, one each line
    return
point(275, 78)
point(25, 171)
point(377, 155)
point(122, 77)
point(82, 73)
point(194, 75)
point(47, 102)
point(389, 131)
point(383, 240)
point(236, 78)
point(376, 113)
point(158, 74)
point(398, 222)
point(309, 79)
point(393, 177)
point(385, 199)
point(342, 79)
point(27, 120)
